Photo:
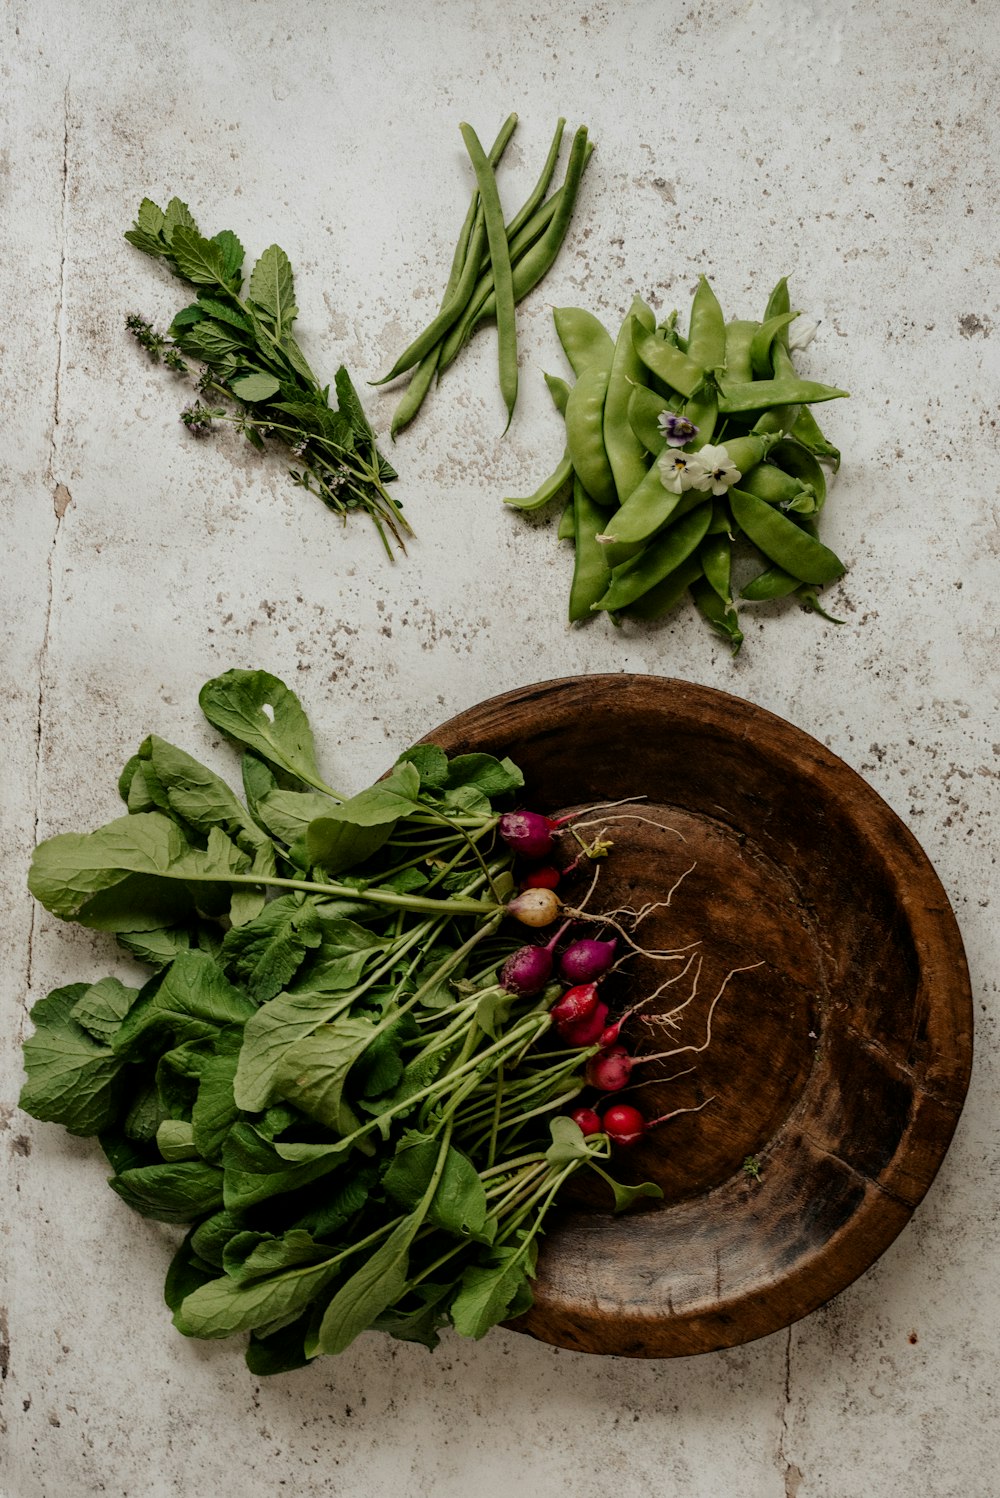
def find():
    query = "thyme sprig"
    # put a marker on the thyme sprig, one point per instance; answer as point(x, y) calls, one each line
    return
point(243, 352)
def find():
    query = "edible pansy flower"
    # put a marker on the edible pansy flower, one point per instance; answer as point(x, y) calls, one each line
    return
point(801, 333)
point(676, 429)
point(711, 470)
point(675, 470)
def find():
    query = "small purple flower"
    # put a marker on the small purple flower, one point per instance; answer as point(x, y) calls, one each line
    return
point(677, 429)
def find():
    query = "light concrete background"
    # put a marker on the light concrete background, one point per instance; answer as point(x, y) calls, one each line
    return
point(851, 145)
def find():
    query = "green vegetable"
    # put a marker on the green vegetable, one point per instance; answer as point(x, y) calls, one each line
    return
point(248, 357)
point(494, 266)
point(333, 1088)
point(657, 426)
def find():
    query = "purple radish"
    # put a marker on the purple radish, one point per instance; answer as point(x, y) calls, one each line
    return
point(527, 833)
point(585, 961)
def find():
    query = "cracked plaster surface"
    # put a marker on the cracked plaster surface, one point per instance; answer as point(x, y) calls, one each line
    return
point(852, 147)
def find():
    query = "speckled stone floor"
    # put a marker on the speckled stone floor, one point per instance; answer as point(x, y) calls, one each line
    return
point(851, 146)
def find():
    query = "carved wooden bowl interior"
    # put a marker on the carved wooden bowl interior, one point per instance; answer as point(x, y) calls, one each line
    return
point(840, 1063)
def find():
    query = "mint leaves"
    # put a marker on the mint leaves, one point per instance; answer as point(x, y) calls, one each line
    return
point(249, 359)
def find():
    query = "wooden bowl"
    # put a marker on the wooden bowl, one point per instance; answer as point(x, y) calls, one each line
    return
point(838, 1066)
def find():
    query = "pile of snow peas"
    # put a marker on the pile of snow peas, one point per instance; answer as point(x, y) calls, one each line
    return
point(495, 264)
point(680, 452)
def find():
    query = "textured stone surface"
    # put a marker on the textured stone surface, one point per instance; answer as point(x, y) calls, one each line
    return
point(851, 146)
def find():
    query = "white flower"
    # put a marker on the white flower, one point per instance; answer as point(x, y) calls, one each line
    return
point(801, 334)
point(711, 469)
point(676, 470)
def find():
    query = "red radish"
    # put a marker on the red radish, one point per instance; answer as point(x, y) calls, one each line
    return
point(576, 1004)
point(546, 877)
point(623, 1124)
point(535, 907)
point(585, 960)
point(609, 1036)
point(527, 832)
point(611, 1070)
point(584, 1032)
point(587, 1120)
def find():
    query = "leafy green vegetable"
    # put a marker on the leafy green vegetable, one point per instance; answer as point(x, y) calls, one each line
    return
point(325, 1080)
point(249, 358)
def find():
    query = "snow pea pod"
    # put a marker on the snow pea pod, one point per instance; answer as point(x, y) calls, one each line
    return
point(777, 303)
point(561, 477)
point(703, 412)
point(800, 463)
point(666, 595)
point(559, 390)
point(557, 483)
point(760, 348)
point(806, 430)
point(626, 454)
point(706, 329)
point(762, 394)
point(776, 422)
point(784, 542)
point(656, 561)
point(716, 557)
point(585, 435)
point(567, 525)
point(772, 484)
point(645, 407)
point(647, 508)
point(721, 615)
point(773, 582)
point(669, 363)
point(739, 337)
point(590, 569)
point(586, 341)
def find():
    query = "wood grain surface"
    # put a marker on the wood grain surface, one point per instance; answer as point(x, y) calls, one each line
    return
point(840, 1057)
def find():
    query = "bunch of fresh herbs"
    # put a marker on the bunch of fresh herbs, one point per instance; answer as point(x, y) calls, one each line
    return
point(323, 1078)
point(249, 359)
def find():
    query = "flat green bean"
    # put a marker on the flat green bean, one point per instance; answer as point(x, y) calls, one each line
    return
point(456, 303)
point(541, 187)
point(422, 377)
point(503, 278)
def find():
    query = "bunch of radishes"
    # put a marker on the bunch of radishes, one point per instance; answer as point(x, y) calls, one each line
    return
point(580, 1017)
